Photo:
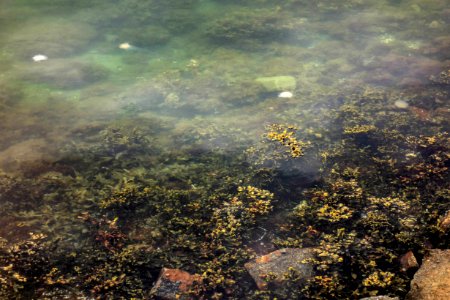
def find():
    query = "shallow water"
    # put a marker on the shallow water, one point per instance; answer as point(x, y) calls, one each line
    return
point(135, 92)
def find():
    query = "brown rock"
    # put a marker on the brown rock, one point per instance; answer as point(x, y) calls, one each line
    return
point(408, 261)
point(380, 298)
point(279, 262)
point(444, 222)
point(432, 280)
point(173, 283)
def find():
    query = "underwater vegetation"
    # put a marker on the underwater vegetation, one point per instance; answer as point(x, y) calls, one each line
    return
point(193, 165)
point(383, 191)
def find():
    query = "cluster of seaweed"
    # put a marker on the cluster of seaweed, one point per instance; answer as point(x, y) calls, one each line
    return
point(122, 209)
point(383, 194)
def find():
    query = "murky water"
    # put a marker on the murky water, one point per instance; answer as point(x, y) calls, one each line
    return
point(98, 96)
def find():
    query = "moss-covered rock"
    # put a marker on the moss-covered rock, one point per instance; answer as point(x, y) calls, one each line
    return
point(273, 266)
point(245, 25)
point(277, 83)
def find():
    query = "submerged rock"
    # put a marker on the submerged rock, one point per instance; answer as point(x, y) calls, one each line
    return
point(27, 151)
point(444, 222)
point(54, 38)
point(173, 283)
point(277, 83)
point(146, 37)
point(64, 74)
point(432, 280)
point(380, 298)
point(408, 261)
point(279, 263)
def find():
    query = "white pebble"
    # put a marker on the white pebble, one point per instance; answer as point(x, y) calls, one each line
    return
point(285, 95)
point(125, 46)
point(39, 57)
point(401, 104)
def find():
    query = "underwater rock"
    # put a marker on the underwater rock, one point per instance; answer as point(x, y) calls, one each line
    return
point(64, 74)
point(443, 78)
point(65, 293)
point(10, 93)
point(444, 222)
point(144, 95)
point(24, 152)
point(408, 261)
point(54, 38)
point(172, 283)
point(432, 280)
point(380, 298)
point(280, 262)
point(249, 25)
point(277, 83)
point(145, 37)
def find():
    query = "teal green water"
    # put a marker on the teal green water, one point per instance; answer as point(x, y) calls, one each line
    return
point(200, 58)
point(98, 95)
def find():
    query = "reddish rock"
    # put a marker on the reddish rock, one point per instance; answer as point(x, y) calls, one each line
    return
point(279, 262)
point(173, 283)
point(408, 261)
point(432, 280)
point(421, 114)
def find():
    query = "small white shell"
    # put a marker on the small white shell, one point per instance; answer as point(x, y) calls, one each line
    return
point(125, 46)
point(285, 95)
point(401, 104)
point(39, 57)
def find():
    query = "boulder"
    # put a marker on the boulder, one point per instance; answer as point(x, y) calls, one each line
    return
point(173, 283)
point(277, 83)
point(278, 263)
point(432, 280)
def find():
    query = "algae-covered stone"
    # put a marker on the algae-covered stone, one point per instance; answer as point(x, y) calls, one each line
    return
point(277, 83)
point(278, 263)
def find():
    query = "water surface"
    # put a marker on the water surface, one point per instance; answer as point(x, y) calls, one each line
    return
point(164, 94)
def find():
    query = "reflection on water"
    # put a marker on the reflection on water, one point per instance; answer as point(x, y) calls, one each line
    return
point(130, 129)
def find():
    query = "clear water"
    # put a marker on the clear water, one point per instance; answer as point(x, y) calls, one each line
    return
point(182, 74)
